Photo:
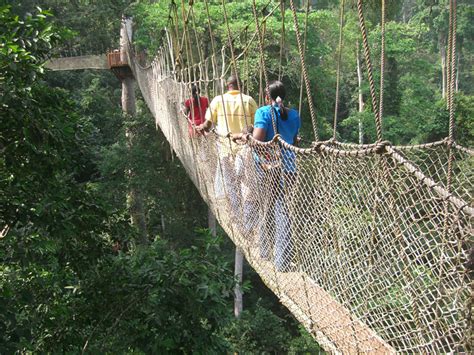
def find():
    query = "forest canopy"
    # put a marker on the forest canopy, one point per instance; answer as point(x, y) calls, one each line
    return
point(76, 274)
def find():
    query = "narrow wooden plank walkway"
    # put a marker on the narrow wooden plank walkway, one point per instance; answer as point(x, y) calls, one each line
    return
point(328, 320)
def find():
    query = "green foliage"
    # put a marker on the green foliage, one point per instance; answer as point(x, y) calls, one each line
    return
point(93, 26)
point(464, 119)
point(149, 297)
point(257, 331)
point(304, 344)
point(412, 70)
point(70, 277)
point(45, 155)
point(261, 331)
point(25, 43)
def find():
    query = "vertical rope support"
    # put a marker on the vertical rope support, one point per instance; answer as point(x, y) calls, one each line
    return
point(213, 46)
point(448, 56)
point(338, 70)
point(368, 62)
point(450, 102)
point(452, 70)
point(178, 49)
point(382, 59)
point(233, 62)
point(198, 41)
point(184, 45)
point(304, 53)
point(262, 58)
point(282, 39)
point(246, 69)
point(305, 72)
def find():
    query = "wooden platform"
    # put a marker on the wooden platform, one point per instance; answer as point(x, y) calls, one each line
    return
point(119, 66)
point(333, 325)
point(78, 63)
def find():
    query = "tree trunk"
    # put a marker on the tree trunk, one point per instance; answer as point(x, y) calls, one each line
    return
point(211, 222)
point(442, 53)
point(238, 272)
point(134, 198)
point(163, 225)
point(361, 98)
point(456, 85)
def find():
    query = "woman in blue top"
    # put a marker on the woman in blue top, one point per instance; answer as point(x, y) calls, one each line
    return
point(287, 122)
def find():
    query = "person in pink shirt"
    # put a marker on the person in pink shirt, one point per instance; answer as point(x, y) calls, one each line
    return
point(195, 109)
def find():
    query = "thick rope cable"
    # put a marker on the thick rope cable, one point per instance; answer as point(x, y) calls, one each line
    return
point(382, 59)
point(451, 102)
point(211, 35)
point(368, 62)
point(234, 63)
point(282, 39)
point(197, 37)
point(305, 36)
point(448, 228)
point(448, 56)
point(305, 72)
point(246, 70)
point(338, 70)
point(262, 58)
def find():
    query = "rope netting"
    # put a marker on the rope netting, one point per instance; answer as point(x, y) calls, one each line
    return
point(367, 245)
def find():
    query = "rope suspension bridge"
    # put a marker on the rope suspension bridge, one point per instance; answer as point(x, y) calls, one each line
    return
point(380, 252)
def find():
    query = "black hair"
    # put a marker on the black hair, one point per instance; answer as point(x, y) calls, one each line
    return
point(277, 89)
point(195, 92)
point(234, 81)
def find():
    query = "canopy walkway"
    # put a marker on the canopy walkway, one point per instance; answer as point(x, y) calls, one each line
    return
point(380, 234)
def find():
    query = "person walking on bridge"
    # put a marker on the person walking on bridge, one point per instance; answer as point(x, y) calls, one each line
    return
point(195, 109)
point(277, 170)
point(231, 113)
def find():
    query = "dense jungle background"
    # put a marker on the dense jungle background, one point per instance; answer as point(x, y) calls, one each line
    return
point(76, 275)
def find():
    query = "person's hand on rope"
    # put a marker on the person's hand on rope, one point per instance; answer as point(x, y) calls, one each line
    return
point(235, 137)
point(199, 128)
point(297, 141)
point(248, 130)
point(204, 127)
point(243, 136)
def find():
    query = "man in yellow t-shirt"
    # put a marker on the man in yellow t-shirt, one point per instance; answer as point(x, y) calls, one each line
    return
point(232, 112)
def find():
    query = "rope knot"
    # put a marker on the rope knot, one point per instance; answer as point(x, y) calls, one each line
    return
point(381, 147)
point(275, 138)
point(316, 146)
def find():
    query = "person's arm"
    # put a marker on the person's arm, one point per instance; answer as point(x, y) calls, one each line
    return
point(297, 139)
point(259, 134)
point(260, 126)
point(211, 117)
point(242, 135)
point(206, 126)
point(186, 108)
